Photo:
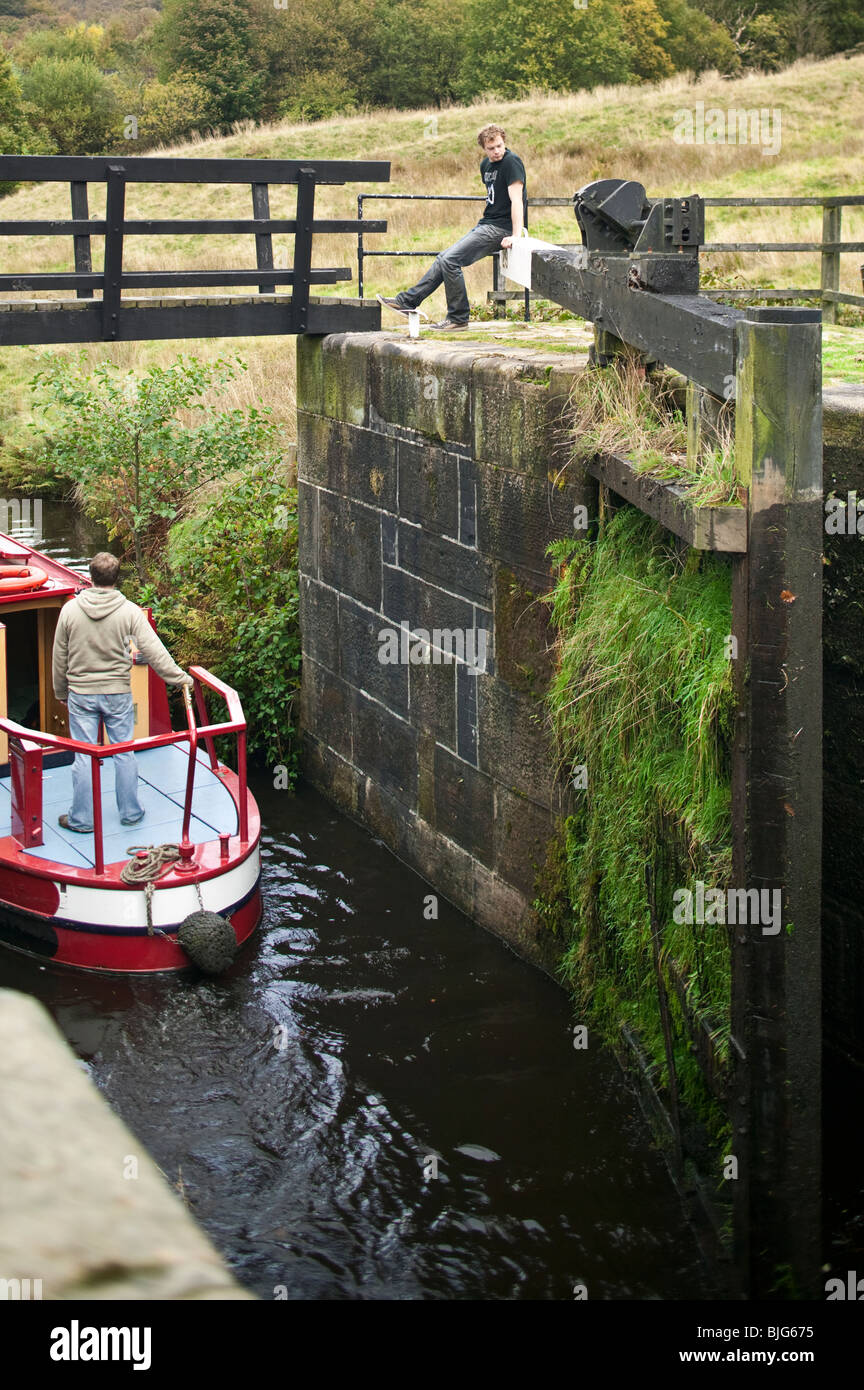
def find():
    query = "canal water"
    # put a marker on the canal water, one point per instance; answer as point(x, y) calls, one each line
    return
point(377, 1103)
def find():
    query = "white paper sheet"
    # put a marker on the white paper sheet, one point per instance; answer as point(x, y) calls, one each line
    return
point(516, 262)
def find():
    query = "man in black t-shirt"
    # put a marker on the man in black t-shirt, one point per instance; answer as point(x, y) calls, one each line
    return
point(503, 220)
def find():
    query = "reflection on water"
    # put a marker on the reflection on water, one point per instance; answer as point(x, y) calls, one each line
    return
point(52, 526)
point(303, 1103)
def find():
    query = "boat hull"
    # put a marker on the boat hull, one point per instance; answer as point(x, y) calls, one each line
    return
point(104, 927)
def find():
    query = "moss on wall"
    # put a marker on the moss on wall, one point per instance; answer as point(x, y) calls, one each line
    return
point(642, 701)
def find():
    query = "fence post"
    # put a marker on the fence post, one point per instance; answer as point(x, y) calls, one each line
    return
point(81, 242)
point(359, 247)
point(302, 250)
point(115, 211)
point(832, 221)
point(263, 240)
point(777, 804)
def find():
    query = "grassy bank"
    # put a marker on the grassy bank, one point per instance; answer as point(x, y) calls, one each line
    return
point(565, 141)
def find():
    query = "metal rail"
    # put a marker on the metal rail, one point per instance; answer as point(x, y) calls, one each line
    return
point(831, 248)
point(236, 724)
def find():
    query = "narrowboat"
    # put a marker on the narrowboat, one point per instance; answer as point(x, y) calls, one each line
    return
point(182, 886)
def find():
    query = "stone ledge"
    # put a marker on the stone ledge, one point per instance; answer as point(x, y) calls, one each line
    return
point(68, 1215)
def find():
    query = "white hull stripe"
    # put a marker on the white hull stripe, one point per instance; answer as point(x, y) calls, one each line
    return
point(104, 909)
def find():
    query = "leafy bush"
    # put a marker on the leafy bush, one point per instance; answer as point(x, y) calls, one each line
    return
point(71, 102)
point(129, 444)
point(226, 597)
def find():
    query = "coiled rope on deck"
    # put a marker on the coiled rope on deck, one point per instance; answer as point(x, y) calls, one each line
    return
point(148, 862)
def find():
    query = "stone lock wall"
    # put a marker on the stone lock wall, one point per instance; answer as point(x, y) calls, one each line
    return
point(430, 484)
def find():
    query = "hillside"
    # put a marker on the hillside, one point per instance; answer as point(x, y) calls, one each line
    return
point(565, 142)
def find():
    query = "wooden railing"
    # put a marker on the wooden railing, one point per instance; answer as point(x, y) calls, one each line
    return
point(86, 319)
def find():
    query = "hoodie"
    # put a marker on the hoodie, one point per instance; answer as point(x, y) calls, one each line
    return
point(91, 645)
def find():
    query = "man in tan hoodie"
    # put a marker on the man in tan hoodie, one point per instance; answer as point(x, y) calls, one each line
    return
point(91, 665)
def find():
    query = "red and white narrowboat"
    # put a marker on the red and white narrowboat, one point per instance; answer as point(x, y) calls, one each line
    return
point(116, 899)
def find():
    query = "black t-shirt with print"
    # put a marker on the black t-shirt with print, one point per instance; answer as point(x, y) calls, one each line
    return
point(497, 178)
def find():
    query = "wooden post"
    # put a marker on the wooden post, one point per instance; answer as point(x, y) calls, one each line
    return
point(705, 422)
point(302, 250)
point(777, 805)
point(263, 240)
point(832, 218)
point(115, 211)
point(80, 242)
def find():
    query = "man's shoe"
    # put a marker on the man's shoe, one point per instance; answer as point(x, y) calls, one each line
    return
point(79, 829)
point(134, 820)
point(393, 304)
point(449, 325)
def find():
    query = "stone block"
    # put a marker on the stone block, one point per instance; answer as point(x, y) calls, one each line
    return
point(307, 529)
point(326, 705)
point(432, 701)
point(519, 514)
point(522, 763)
point(347, 459)
point(319, 628)
point(359, 651)
point(464, 805)
point(345, 367)
point(429, 487)
point(524, 635)
point(423, 387)
point(516, 417)
point(422, 605)
point(385, 749)
point(310, 373)
point(349, 548)
point(440, 561)
point(522, 833)
point(336, 778)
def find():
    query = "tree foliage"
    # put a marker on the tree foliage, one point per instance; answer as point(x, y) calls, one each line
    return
point(72, 103)
point(214, 42)
point(129, 444)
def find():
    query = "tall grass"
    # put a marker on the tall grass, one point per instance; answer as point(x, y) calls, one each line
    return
point(643, 701)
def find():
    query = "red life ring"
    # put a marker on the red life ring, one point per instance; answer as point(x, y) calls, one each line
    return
point(20, 579)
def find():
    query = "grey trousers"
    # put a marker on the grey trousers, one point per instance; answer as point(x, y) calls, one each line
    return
point(482, 240)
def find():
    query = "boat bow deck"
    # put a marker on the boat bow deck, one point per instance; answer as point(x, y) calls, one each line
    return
point(161, 789)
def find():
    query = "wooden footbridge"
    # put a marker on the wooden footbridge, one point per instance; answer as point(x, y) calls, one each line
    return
point(31, 307)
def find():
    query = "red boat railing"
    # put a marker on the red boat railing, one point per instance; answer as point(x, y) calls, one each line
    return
point(236, 724)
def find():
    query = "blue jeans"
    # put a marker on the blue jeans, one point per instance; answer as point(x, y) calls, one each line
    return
point(483, 240)
point(119, 720)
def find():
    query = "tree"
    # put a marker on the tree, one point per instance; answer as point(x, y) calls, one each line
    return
point(215, 42)
point(134, 460)
point(166, 112)
point(415, 53)
point(646, 32)
point(72, 102)
point(695, 42)
point(12, 128)
point(553, 47)
point(81, 41)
